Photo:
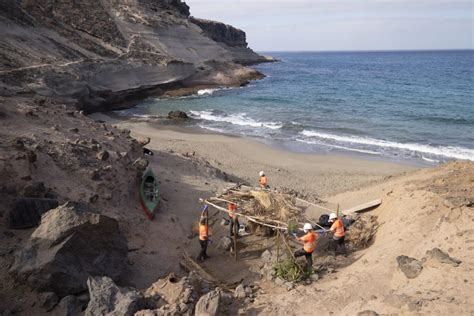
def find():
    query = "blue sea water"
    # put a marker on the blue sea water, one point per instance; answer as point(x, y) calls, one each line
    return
point(403, 105)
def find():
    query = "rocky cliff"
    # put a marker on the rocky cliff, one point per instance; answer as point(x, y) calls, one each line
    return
point(99, 55)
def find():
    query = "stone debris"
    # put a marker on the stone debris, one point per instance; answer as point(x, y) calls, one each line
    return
point(106, 298)
point(442, 257)
point(411, 267)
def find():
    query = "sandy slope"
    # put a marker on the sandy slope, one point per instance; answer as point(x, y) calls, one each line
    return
point(420, 211)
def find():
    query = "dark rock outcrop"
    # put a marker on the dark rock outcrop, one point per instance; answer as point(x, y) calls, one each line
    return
point(105, 55)
point(177, 115)
point(106, 298)
point(221, 32)
point(69, 246)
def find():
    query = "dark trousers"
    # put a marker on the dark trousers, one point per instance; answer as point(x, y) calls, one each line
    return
point(232, 226)
point(339, 245)
point(308, 256)
point(202, 253)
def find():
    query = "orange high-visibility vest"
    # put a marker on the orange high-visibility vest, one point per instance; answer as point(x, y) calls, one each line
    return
point(231, 207)
point(338, 228)
point(203, 231)
point(263, 181)
point(309, 242)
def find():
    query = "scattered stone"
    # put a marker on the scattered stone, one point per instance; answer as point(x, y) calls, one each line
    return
point(225, 243)
point(74, 130)
point(106, 298)
point(141, 164)
point(177, 115)
point(93, 242)
point(145, 141)
point(48, 300)
point(279, 281)
point(267, 256)
point(314, 277)
point(289, 286)
point(248, 290)
point(442, 257)
point(240, 292)
point(411, 267)
point(103, 155)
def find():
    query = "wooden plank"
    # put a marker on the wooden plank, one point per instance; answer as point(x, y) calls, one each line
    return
point(363, 207)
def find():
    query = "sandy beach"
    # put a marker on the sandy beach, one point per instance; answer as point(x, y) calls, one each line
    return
point(312, 175)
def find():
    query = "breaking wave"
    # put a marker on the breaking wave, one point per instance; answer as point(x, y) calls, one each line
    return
point(377, 146)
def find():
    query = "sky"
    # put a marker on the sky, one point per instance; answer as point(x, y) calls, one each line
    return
point(345, 25)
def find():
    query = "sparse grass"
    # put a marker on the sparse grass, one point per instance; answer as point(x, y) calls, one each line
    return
point(289, 271)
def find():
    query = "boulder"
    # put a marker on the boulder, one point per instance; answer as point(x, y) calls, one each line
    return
point(177, 115)
point(442, 257)
point(411, 267)
point(240, 292)
point(208, 304)
point(367, 313)
point(106, 298)
point(67, 247)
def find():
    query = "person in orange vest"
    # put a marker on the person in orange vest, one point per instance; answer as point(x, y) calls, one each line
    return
point(262, 180)
point(203, 239)
point(309, 240)
point(232, 207)
point(339, 233)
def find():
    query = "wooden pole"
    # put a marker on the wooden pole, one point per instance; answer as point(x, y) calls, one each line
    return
point(278, 245)
point(292, 255)
point(236, 231)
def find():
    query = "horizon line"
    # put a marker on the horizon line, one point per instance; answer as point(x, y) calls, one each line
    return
point(367, 51)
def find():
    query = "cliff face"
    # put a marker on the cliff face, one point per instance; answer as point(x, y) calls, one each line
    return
point(222, 33)
point(105, 54)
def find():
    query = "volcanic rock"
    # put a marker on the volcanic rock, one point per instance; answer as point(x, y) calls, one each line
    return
point(67, 247)
point(177, 115)
point(106, 298)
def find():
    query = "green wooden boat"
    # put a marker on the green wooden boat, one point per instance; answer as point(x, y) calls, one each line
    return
point(149, 196)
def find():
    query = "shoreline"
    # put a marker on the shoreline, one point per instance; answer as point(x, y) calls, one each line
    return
point(279, 145)
point(313, 175)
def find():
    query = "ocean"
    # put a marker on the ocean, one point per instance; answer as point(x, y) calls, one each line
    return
point(409, 106)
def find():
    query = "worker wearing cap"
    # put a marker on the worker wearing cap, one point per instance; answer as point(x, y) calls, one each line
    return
point(309, 240)
point(339, 233)
point(232, 207)
point(262, 180)
point(203, 238)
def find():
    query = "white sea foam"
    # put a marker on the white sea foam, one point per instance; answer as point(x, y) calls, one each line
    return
point(371, 152)
point(240, 119)
point(207, 91)
point(444, 151)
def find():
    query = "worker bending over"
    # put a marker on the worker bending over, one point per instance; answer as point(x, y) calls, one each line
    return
point(203, 238)
point(309, 240)
point(262, 180)
point(339, 231)
point(232, 207)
